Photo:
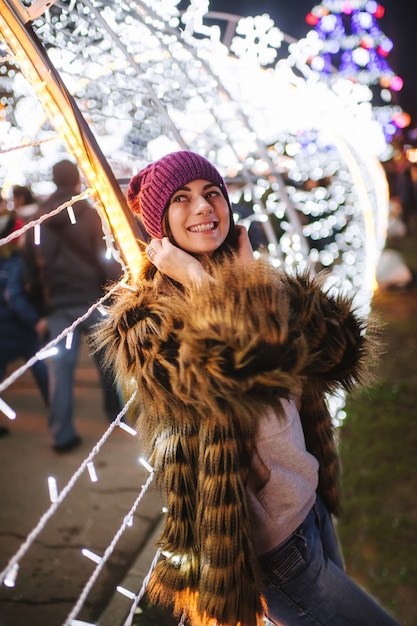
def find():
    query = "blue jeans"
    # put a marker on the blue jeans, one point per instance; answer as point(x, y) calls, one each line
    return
point(304, 581)
point(62, 368)
point(24, 347)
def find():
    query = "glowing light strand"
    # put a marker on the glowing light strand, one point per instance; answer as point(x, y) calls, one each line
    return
point(31, 144)
point(109, 550)
point(65, 491)
point(141, 592)
point(39, 355)
point(20, 231)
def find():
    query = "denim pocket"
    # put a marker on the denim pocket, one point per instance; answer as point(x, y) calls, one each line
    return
point(285, 562)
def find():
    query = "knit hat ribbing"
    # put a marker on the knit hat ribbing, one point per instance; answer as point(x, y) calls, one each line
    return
point(149, 191)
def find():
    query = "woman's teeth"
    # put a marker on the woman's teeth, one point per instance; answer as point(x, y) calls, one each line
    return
point(199, 228)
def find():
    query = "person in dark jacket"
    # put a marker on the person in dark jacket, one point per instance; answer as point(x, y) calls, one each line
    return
point(21, 325)
point(73, 271)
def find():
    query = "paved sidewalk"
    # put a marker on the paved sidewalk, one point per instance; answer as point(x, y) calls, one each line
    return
point(53, 572)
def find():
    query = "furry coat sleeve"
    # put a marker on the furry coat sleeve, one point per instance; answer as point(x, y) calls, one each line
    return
point(206, 362)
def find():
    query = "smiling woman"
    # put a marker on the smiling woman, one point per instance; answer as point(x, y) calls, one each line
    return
point(232, 360)
point(184, 205)
point(152, 189)
point(198, 217)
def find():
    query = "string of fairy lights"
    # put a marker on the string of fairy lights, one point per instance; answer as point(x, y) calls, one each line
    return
point(301, 157)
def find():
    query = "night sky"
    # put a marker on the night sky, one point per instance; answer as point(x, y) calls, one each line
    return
point(399, 24)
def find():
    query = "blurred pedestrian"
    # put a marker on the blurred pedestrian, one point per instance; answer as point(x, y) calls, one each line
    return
point(26, 206)
point(21, 325)
point(407, 190)
point(73, 271)
point(24, 202)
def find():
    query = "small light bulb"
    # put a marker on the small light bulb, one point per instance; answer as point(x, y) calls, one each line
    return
point(68, 341)
point(53, 489)
point(126, 592)
point(7, 410)
point(128, 428)
point(44, 354)
point(101, 309)
point(145, 464)
point(10, 578)
point(37, 234)
point(92, 472)
point(71, 215)
point(91, 555)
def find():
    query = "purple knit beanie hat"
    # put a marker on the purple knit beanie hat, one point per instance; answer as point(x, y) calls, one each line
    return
point(149, 191)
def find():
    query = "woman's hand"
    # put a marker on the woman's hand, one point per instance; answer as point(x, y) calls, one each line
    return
point(174, 262)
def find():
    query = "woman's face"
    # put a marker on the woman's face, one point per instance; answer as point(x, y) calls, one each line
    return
point(198, 217)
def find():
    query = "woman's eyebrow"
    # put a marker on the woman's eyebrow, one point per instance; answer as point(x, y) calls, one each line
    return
point(185, 188)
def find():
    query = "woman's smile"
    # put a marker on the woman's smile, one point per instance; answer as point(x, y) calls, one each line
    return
point(203, 228)
point(199, 217)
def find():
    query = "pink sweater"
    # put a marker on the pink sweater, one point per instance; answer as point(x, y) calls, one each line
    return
point(284, 478)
